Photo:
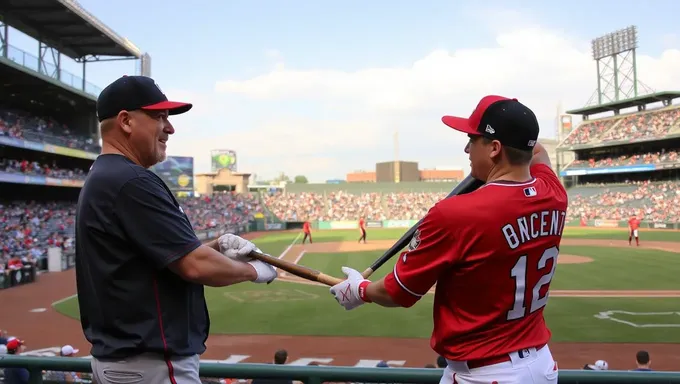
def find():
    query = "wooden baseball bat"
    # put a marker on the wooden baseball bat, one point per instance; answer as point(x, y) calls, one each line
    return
point(468, 185)
point(297, 269)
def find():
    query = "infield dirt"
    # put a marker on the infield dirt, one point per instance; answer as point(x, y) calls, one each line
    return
point(50, 329)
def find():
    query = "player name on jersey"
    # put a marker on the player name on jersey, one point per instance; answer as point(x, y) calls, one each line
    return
point(534, 226)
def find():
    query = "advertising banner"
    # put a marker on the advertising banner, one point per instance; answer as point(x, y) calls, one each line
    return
point(606, 223)
point(344, 225)
point(399, 223)
point(608, 170)
point(19, 143)
point(374, 224)
point(661, 225)
point(17, 178)
point(177, 172)
point(64, 182)
point(273, 226)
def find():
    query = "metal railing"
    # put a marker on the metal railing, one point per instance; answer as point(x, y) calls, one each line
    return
point(318, 374)
point(33, 63)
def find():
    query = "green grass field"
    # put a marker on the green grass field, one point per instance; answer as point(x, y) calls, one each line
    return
point(297, 309)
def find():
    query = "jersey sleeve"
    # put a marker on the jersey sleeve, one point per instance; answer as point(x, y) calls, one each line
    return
point(544, 172)
point(153, 223)
point(429, 253)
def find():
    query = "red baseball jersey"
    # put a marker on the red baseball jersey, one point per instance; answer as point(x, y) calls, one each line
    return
point(492, 254)
point(634, 223)
point(362, 224)
point(306, 227)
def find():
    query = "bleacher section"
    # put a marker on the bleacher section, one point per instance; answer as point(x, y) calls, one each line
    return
point(27, 229)
point(19, 124)
point(652, 124)
point(626, 164)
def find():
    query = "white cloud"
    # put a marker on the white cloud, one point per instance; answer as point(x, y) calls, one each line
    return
point(333, 108)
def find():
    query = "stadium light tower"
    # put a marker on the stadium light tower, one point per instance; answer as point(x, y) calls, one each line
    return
point(615, 56)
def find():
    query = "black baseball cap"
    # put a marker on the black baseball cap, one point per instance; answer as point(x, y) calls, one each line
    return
point(132, 93)
point(500, 118)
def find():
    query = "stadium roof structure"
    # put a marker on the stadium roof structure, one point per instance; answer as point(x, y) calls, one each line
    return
point(67, 27)
point(665, 96)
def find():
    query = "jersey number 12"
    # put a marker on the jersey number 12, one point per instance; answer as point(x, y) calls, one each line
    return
point(519, 273)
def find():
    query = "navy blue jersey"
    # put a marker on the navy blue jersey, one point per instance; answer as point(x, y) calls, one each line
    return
point(129, 228)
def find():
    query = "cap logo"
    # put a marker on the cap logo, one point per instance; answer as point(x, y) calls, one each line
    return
point(490, 130)
point(531, 143)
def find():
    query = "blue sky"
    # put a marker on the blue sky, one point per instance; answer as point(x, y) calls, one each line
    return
point(319, 88)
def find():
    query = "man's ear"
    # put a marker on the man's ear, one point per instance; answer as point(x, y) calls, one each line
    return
point(125, 121)
point(495, 149)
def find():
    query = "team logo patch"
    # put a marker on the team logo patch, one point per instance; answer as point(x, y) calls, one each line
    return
point(412, 245)
point(530, 192)
point(415, 241)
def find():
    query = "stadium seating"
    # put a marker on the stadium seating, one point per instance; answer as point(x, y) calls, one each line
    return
point(667, 156)
point(657, 202)
point(27, 229)
point(20, 125)
point(645, 125)
point(34, 168)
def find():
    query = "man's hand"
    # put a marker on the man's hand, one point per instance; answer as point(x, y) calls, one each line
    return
point(351, 293)
point(236, 247)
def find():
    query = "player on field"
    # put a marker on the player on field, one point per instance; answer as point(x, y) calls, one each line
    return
point(362, 230)
point(307, 230)
point(492, 254)
point(633, 225)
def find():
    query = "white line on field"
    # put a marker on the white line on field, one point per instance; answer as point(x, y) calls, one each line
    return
point(64, 299)
point(290, 246)
point(297, 259)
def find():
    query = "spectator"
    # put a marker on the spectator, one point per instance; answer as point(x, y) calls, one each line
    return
point(280, 357)
point(15, 375)
point(441, 362)
point(643, 361)
point(599, 365)
point(63, 377)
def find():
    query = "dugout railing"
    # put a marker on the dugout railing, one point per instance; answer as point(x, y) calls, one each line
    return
point(318, 374)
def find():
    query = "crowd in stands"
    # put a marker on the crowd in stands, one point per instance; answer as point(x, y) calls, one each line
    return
point(33, 168)
point(652, 201)
point(27, 229)
point(665, 156)
point(221, 210)
point(20, 125)
point(654, 124)
point(341, 206)
point(656, 202)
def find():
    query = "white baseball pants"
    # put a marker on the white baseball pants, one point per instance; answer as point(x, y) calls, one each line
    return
point(537, 367)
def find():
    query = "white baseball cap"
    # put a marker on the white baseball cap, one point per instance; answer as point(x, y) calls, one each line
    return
point(68, 350)
point(600, 365)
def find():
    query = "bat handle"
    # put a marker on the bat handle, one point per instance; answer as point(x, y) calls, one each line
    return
point(367, 273)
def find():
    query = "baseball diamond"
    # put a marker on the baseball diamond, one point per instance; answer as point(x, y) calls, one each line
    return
point(598, 273)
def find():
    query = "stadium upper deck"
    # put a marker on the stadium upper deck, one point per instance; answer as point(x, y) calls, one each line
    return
point(48, 127)
point(641, 145)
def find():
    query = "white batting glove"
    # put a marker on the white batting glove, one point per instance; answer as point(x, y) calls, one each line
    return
point(236, 247)
point(265, 272)
point(351, 293)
